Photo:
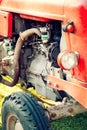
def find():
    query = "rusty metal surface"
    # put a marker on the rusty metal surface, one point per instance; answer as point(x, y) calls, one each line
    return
point(64, 110)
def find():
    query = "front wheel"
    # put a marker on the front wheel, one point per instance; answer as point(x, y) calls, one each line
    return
point(21, 111)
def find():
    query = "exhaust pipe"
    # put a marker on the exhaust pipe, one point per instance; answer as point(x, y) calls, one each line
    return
point(23, 36)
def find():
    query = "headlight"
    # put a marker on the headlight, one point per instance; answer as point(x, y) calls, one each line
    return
point(67, 60)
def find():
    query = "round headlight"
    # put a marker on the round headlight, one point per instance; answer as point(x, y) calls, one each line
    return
point(67, 60)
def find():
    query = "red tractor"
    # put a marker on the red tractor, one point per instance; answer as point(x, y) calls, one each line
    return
point(43, 46)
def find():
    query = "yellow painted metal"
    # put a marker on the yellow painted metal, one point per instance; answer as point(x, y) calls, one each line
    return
point(42, 98)
point(6, 90)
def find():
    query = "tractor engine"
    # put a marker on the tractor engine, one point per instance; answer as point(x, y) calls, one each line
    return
point(37, 58)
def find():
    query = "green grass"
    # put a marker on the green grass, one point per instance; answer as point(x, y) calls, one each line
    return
point(78, 122)
point(0, 127)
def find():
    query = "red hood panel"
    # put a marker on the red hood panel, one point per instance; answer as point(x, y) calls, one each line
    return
point(52, 9)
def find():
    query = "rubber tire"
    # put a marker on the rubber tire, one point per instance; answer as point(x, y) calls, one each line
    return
point(26, 108)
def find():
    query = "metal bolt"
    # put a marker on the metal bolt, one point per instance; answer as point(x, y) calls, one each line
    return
point(70, 110)
point(53, 115)
point(56, 85)
point(49, 83)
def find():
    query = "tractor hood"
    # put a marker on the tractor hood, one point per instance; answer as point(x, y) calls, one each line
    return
point(53, 9)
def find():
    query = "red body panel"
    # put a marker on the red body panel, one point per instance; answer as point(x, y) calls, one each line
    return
point(77, 12)
point(5, 24)
point(77, 90)
point(40, 8)
point(64, 10)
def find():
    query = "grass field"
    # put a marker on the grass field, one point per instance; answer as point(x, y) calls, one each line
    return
point(78, 122)
point(0, 127)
